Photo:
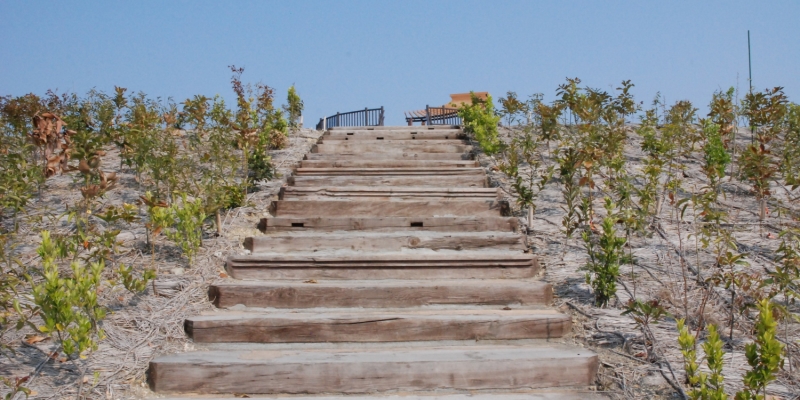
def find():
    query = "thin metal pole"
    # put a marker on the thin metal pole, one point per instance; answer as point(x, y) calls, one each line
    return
point(750, 71)
point(749, 62)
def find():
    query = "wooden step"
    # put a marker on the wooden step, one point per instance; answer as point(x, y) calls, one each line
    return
point(395, 208)
point(381, 294)
point(437, 134)
point(442, 224)
point(368, 371)
point(390, 241)
point(406, 155)
point(386, 193)
point(395, 146)
point(550, 394)
point(474, 180)
point(397, 128)
point(408, 171)
point(376, 326)
point(417, 264)
point(355, 163)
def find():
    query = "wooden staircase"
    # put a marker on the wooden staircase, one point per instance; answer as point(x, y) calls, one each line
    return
point(388, 269)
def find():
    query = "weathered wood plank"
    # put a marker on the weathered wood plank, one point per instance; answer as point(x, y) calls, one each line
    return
point(392, 128)
point(541, 394)
point(381, 294)
point(408, 171)
point(386, 193)
point(389, 265)
point(341, 371)
point(442, 224)
point(439, 134)
point(396, 241)
point(395, 208)
point(376, 326)
point(388, 163)
point(406, 155)
point(399, 146)
point(383, 180)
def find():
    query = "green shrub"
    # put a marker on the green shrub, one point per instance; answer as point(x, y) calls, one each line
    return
point(294, 107)
point(480, 120)
point(763, 355)
point(68, 305)
point(702, 386)
point(605, 256)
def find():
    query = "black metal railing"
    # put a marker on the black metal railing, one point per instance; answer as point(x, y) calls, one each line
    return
point(434, 116)
point(365, 117)
point(442, 116)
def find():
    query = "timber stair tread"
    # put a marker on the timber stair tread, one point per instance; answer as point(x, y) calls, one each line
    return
point(459, 180)
point(417, 223)
point(308, 370)
point(380, 193)
point(346, 264)
point(472, 395)
point(401, 146)
point(440, 134)
point(384, 163)
point(393, 208)
point(357, 171)
point(383, 241)
point(380, 293)
point(376, 326)
point(393, 128)
point(387, 266)
point(400, 155)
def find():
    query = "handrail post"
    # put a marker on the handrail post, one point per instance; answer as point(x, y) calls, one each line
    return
point(380, 117)
point(427, 115)
point(366, 116)
point(338, 123)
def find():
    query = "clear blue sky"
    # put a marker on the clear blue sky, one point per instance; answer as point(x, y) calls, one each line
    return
point(346, 55)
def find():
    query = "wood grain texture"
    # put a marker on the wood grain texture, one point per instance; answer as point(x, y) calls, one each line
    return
point(341, 371)
point(408, 171)
point(540, 394)
point(404, 155)
point(383, 146)
point(378, 294)
point(388, 163)
point(393, 128)
point(437, 134)
point(383, 180)
point(394, 265)
point(397, 208)
point(386, 193)
point(360, 326)
point(396, 241)
point(442, 224)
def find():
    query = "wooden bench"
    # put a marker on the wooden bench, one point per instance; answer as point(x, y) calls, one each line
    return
point(446, 114)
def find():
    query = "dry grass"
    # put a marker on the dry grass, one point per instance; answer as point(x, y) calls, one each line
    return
point(658, 274)
point(138, 327)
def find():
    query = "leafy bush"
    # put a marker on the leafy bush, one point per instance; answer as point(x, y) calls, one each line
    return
point(763, 356)
point(182, 223)
point(480, 120)
point(68, 305)
point(294, 107)
point(702, 386)
point(605, 256)
point(524, 152)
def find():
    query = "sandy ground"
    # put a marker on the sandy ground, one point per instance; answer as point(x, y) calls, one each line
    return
point(138, 327)
point(143, 326)
point(657, 274)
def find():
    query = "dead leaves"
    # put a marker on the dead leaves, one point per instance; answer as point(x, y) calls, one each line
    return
point(33, 339)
